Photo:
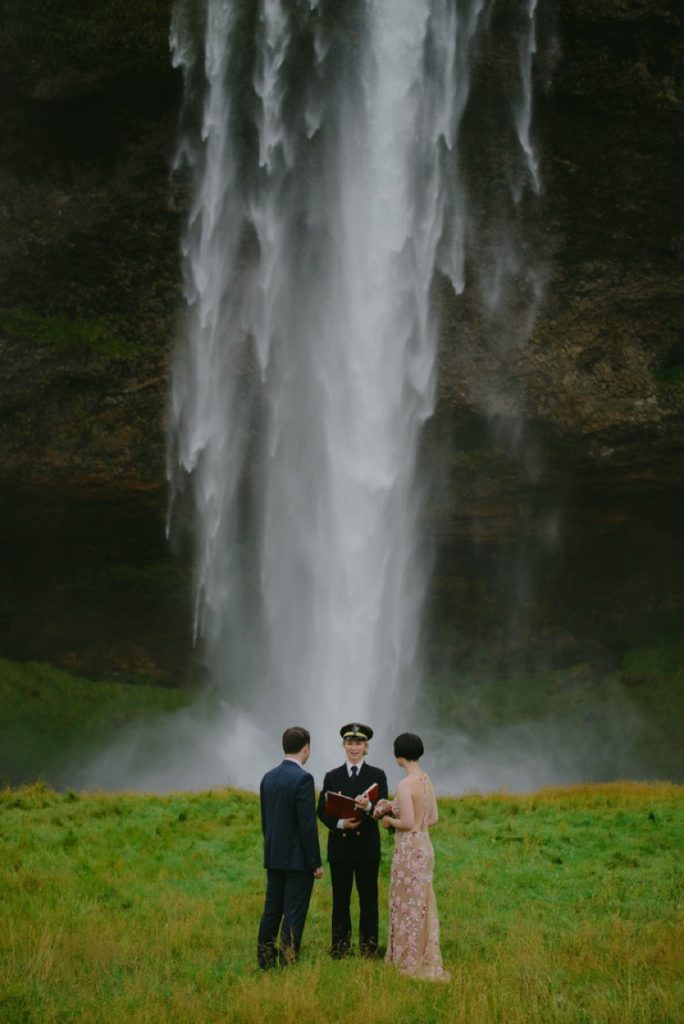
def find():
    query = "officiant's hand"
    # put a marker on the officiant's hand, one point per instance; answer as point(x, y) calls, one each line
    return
point(350, 823)
point(363, 802)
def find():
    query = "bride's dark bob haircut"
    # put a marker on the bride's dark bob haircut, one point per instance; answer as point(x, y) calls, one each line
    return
point(408, 746)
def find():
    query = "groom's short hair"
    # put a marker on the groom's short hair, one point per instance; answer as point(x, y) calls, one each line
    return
point(295, 739)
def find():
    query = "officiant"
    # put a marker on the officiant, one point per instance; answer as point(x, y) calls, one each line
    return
point(354, 843)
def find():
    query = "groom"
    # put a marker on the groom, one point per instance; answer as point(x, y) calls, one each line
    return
point(292, 855)
point(353, 846)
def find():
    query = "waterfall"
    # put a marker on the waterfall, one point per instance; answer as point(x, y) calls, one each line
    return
point(322, 149)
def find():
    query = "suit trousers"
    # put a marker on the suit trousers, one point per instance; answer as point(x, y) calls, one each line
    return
point(343, 875)
point(285, 907)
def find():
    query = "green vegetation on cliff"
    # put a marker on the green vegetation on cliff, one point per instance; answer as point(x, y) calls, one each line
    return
point(47, 716)
point(103, 337)
point(624, 724)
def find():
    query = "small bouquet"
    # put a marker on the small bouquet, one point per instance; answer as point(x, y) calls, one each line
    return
point(382, 808)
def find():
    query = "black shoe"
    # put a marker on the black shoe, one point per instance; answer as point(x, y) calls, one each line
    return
point(370, 953)
point(267, 956)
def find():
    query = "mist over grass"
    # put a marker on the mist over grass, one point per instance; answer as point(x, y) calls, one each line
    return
point(562, 907)
point(490, 724)
point(51, 720)
point(486, 726)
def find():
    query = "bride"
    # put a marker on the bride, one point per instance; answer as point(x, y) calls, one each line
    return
point(413, 942)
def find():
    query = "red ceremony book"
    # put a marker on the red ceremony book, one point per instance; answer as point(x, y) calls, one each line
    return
point(339, 806)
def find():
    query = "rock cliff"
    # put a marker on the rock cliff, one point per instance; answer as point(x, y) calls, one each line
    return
point(556, 454)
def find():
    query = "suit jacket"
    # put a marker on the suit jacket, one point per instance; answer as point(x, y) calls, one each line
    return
point(288, 819)
point(358, 844)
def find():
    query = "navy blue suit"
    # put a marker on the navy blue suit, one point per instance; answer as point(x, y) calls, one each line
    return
point(291, 855)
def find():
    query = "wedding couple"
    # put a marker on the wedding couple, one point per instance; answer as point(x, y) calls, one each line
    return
point(293, 861)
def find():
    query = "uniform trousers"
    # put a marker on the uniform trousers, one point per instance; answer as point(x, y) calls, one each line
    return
point(285, 907)
point(343, 876)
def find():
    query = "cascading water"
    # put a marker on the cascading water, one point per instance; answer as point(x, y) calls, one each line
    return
point(326, 191)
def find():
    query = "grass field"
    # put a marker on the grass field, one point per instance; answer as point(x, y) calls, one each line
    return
point(563, 906)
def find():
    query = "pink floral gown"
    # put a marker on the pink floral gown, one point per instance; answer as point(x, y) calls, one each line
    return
point(413, 943)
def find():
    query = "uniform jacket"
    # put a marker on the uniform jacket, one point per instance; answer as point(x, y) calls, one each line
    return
point(357, 844)
point(288, 819)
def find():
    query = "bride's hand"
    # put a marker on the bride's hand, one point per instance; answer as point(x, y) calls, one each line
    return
point(382, 807)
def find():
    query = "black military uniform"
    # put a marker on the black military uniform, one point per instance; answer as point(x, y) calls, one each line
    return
point(354, 854)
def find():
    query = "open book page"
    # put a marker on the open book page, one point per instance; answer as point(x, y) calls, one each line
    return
point(339, 806)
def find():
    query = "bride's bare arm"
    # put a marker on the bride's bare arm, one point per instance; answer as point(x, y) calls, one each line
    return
point(405, 820)
point(434, 813)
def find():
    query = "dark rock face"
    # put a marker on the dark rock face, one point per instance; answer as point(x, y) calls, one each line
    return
point(606, 351)
point(554, 508)
point(561, 484)
point(88, 242)
point(89, 279)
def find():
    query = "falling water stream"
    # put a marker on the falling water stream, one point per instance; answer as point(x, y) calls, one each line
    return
point(325, 195)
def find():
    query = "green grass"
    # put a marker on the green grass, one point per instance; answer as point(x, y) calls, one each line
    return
point(45, 714)
point(562, 906)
